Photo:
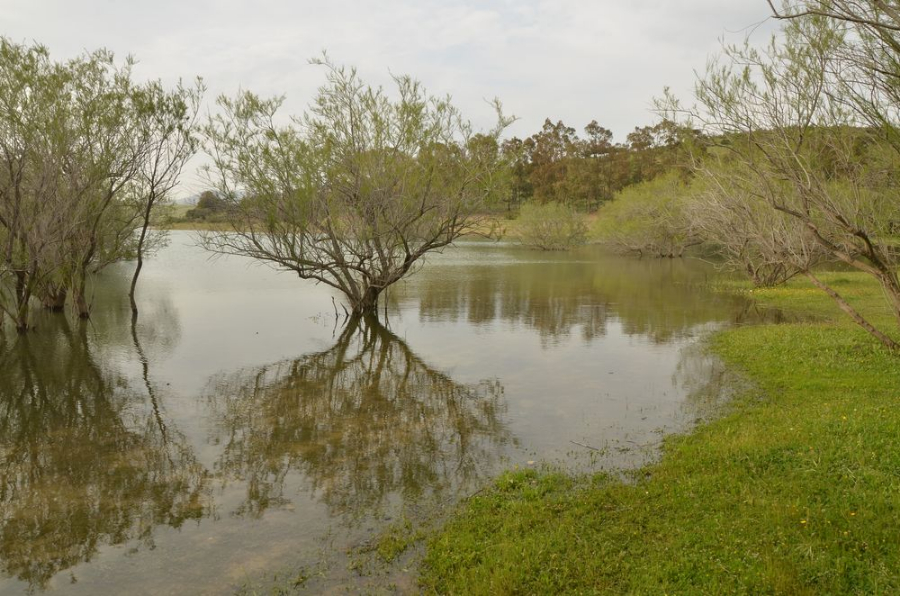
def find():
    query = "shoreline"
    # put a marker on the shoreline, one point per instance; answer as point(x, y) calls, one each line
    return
point(785, 492)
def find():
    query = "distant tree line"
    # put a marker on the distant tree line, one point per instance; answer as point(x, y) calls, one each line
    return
point(556, 165)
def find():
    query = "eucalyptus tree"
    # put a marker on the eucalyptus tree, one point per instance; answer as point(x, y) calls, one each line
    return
point(357, 190)
point(789, 118)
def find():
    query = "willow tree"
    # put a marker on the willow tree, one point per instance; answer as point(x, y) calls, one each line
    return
point(650, 218)
point(86, 156)
point(35, 176)
point(769, 246)
point(167, 119)
point(356, 190)
point(789, 118)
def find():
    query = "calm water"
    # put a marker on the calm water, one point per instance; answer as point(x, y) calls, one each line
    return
point(240, 432)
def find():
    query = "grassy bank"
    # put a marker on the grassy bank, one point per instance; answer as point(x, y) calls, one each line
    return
point(795, 490)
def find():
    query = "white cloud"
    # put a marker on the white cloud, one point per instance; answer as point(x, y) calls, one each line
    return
point(574, 60)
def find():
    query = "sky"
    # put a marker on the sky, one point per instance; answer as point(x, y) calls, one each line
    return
point(569, 60)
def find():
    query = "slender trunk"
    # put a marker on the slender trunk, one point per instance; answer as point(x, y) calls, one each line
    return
point(23, 297)
point(134, 280)
point(140, 259)
point(22, 317)
point(79, 300)
point(858, 318)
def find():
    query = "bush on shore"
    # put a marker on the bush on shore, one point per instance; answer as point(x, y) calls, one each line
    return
point(552, 226)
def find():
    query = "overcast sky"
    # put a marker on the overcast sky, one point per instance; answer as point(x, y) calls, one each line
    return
point(570, 60)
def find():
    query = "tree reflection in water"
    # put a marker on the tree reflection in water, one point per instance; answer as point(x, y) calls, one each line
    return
point(84, 459)
point(363, 421)
point(664, 300)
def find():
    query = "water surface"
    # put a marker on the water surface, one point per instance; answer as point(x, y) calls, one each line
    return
point(241, 429)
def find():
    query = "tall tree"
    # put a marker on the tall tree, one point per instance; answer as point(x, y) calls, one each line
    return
point(168, 120)
point(551, 151)
point(516, 155)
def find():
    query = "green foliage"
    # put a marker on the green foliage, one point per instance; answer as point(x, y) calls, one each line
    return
point(649, 218)
point(808, 124)
point(88, 154)
point(556, 165)
point(791, 493)
point(355, 191)
point(552, 226)
point(210, 208)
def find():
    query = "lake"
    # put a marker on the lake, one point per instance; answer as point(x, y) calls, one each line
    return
point(241, 432)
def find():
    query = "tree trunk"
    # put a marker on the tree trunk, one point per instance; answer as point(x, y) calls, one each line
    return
point(54, 297)
point(368, 303)
point(79, 300)
point(134, 280)
point(858, 318)
point(140, 259)
point(23, 297)
point(754, 276)
point(22, 317)
point(891, 289)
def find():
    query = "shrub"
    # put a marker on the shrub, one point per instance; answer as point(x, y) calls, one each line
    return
point(552, 226)
point(649, 218)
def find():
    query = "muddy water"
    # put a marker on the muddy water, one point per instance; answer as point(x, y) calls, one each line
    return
point(240, 432)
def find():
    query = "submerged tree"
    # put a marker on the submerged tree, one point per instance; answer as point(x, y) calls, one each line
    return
point(86, 157)
point(33, 218)
point(168, 119)
point(551, 226)
point(353, 193)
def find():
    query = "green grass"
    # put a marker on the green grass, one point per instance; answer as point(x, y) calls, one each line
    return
point(795, 490)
